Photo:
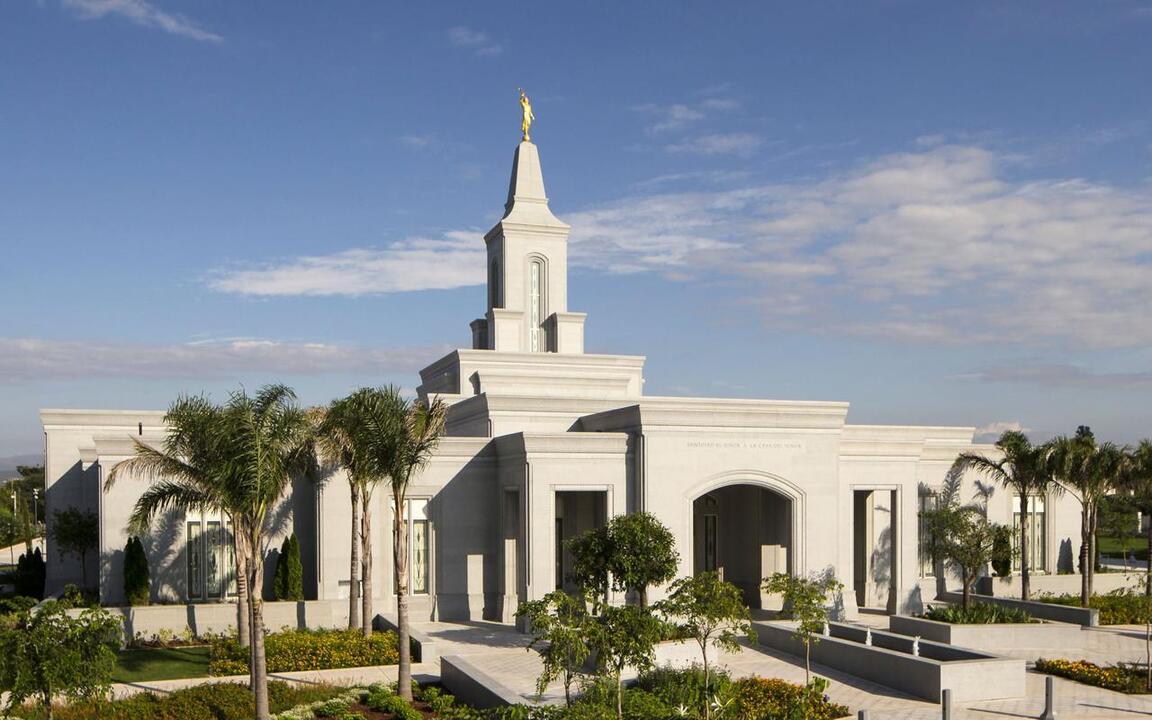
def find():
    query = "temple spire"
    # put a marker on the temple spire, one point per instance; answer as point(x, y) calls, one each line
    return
point(527, 202)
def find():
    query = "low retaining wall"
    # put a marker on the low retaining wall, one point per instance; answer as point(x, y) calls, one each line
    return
point(1102, 583)
point(424, 647)
point(473, 686)
point(971, 675)
point(1086, 617)
point(995, 637)
point(201, 618)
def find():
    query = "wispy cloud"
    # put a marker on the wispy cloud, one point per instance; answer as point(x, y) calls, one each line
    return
point(142, 13)
point(1062, 375)
point(455, 260)
point(677, 116)
point(475, 40)
point(993, 430)
point(24, 359)
point(739, 143)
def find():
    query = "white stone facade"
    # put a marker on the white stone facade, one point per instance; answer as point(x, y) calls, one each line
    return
point(545, 441)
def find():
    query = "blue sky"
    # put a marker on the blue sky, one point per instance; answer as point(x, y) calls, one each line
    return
point(940, 212)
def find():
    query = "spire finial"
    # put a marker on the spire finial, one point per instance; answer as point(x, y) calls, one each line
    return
point(527, 117)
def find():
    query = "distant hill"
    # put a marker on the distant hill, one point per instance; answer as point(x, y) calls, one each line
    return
point(8, 464)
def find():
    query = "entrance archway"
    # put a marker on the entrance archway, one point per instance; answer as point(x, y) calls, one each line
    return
point(744, 532)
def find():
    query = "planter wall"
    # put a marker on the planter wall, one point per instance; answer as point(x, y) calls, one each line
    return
point(1009, 587)
point(221, 617)
point(1087, 617)
point(970, 674)
point(1001, 637)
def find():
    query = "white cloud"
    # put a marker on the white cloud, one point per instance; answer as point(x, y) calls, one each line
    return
point(739, 143)
point(1062, 375)
point(142, 13)
point(456, 260)
point(474, 40)
point(939, 245)
point(24, 359)
point(993, 430)
point(677, 116)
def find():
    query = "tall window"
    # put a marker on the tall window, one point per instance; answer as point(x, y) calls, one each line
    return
point(195, 561)
point(215, 559)
point(536, 304)
point(418, 546)
point(494, 285)
point(1037, 533)
point(927, 538)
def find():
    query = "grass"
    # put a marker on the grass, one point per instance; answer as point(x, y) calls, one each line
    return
point(144, 664)
point(1137, 547)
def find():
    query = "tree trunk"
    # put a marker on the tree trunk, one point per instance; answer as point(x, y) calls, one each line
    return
point(354, 569)
point(707, 708)
point(1091, 551)
point(807, 661)
point(620, 699)
point(967, 590)
point(400, 551)
point(366, 562)
point(259, 660)
point(243, 610)
point(1025, 586)
point(1085, 549)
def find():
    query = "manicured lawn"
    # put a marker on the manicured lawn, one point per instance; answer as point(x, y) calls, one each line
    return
point(1137, 546)
point(143, 664)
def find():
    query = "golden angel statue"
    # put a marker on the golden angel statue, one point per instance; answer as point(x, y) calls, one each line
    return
point(528, 117)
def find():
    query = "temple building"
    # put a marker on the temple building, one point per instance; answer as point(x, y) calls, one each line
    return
point(545, 441)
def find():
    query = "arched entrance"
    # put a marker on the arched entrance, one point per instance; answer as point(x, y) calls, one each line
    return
point(744, 532)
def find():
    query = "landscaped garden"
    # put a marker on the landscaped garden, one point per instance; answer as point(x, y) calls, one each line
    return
point(1125, 678)
point(143, 664)
point(1116, 608)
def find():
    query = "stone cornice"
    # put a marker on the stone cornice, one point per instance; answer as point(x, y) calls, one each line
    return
point(96, 419)
point(658, 412)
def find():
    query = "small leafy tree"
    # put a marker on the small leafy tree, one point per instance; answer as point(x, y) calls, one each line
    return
point(631, 553)
point(560, 629)
point(643, 553)
point(47, 653)
point(288, 580)
point(969, 545)
point(711, 612)
point(75, 533)
point(137, 587)
point(806, 602)
point(624, 637)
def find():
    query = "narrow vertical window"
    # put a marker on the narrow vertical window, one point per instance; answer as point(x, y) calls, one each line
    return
point(230, 545)
point(709, 542)
point(418, 546)
point(927, 538)
point(559, 553)
point(535, 304)
point(1037, 542)
point(215, 559)
point(494, 285)
point(195, 561)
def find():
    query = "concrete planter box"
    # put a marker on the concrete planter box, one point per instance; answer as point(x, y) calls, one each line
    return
point(1086, 617)
point(992, 636)
point(202, 618)
point(1009, 587)
point(970, 674)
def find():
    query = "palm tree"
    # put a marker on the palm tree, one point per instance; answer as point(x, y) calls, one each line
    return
point(1089, 472)
point(268, 440)
point(423, 427)
point(187, 472)
point(1138, 481)
point(336, 439)
point(1023, 469)
point(363, 432)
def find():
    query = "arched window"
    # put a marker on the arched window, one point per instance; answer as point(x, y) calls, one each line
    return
point(536, 304)
point(494, 285)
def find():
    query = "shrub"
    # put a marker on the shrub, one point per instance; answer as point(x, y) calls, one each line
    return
point(1122, 678)
point(1119, 607)
point(685, 688)
point(1002, 551)
point(978, 614)
point(30, 573)
point(394, 704)
point(294, 650)
point(757, 698)
point(642, 705)
point(288, 580)
point(137, 588)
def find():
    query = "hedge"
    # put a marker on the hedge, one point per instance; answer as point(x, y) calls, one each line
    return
point(293, 650)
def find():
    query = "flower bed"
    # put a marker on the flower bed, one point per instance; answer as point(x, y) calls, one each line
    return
point(1122, 678)
point(218, 701)
point(293, 650)
point(1116, 608)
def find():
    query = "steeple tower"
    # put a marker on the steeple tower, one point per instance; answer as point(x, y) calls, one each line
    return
point(528, 271)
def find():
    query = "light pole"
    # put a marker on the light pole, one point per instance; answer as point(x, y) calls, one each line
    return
point(35, 513)
point(12, 543)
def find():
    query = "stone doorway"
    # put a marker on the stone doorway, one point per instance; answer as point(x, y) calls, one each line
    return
point(744, 533)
